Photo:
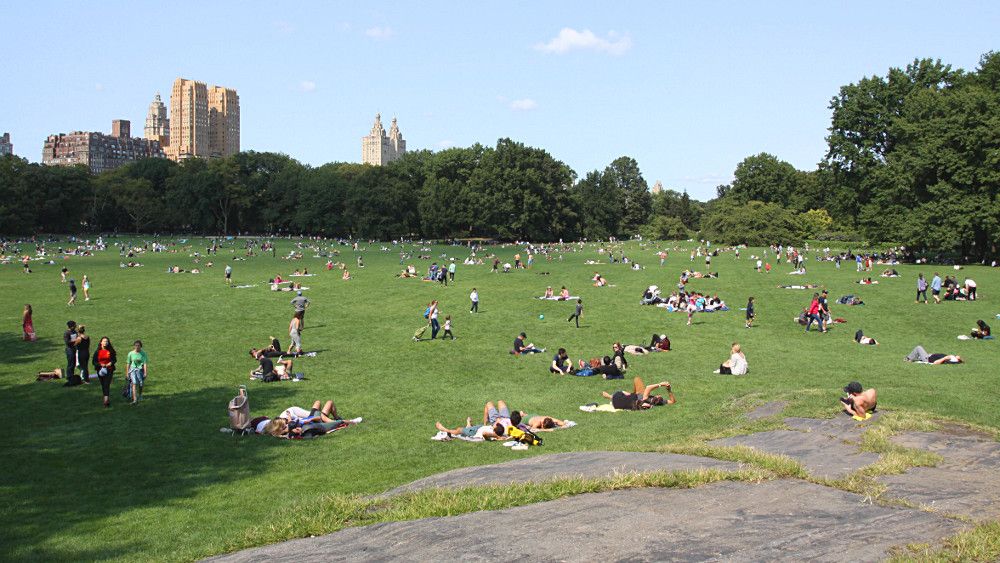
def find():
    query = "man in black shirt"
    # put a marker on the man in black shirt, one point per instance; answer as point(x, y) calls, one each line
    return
point(640, 398)
point(521, 348)
point(70, 339)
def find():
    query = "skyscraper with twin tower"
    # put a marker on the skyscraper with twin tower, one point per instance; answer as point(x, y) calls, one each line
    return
point(378, 148)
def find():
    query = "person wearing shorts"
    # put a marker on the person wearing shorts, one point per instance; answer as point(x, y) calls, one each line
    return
point(295, 335)
point(137, 362)
point(493, 414)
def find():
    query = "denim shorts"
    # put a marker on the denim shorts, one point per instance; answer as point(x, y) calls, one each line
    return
point(493, 414)
point(136, 376)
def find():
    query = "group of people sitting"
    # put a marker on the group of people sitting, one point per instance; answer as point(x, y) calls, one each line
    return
point(693, 302)
point(563, 294)
point(611, 366)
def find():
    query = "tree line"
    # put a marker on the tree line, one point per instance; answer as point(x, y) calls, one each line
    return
point(510, 191)
point(913, 157)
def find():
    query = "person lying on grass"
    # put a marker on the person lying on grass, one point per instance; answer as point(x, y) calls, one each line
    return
point(860, 338)
point(920, 355)
point(541, 423)
point(641, 397)
point(474, 431)
point(859, 403)
point(296, 422)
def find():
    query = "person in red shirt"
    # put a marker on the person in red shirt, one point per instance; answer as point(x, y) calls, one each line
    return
point(813, 314)
point(104, 364)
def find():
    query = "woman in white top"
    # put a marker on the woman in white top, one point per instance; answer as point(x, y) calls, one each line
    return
point(736, 364)
point(970, 288)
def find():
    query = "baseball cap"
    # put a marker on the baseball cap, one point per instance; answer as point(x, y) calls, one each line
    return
point(853, 387)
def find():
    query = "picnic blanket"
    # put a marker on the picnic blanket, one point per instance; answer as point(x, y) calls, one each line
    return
point(446, 437)
point(557, 298)
point(603, 407)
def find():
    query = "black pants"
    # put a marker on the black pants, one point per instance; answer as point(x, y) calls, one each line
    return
point(725, 370)
point(972, 294)
point(448, 333)
point(574, 316)
point(105, 383)
point(475, 307)
point(71, 377)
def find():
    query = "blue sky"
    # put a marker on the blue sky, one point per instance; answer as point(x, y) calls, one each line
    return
point(688, 88)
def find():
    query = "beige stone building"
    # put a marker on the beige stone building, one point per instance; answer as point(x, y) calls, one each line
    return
point(204, 121)
point(157, 125)
point(6, 147)
point(378, 148)
point(657, 187)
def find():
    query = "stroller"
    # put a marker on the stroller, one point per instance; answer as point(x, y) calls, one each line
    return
point(239, 414)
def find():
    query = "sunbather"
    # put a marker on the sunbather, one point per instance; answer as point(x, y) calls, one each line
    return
point(474, 431)
point(858, 403)
point(920, 355)
point(641, 396)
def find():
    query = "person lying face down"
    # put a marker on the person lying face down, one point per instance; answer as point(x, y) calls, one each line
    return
point(858, 402)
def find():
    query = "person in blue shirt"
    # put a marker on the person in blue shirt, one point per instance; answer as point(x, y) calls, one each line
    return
point(936, 288)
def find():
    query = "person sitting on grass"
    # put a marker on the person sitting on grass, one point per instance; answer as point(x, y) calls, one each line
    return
point(641, 397)
point(267, 371)
point(920, 355)
point(474, 431)
point(859, 403)
point(561, 363)
point(860, 338)
point(982, 330)
point(599, 281)
point(548, 293)
point(736, 364)
point(563, 294)
point(521, 348)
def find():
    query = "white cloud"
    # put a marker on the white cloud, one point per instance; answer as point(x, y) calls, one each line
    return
point(570, 39)
point(307, 86)
point(524, 104)
point(379, 33)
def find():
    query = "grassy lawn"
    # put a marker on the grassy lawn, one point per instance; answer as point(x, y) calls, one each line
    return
point(159, 481)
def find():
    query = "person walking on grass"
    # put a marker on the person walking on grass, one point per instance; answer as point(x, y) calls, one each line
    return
point(576, 313)
point(921, 288)
point(295, 334)
point(936, 288)
point(27, 325)
point(86, 288)
point(229, 274)
point(447, 328)
point(751, 313)
point(300, 303)
point(432, 315)
point(474, 298)
point(138, 368)
point(104, 364)
point(813, 314)
point(72, 293)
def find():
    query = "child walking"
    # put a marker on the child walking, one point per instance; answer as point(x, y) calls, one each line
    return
point(750, 312)
point(447, 328)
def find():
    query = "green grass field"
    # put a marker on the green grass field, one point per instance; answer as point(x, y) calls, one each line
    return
point(160, 482)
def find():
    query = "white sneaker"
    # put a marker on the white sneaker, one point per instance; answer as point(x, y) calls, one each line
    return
point(355, 420)
point(717, 371)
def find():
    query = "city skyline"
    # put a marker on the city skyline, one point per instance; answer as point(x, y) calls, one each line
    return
point(688, 91)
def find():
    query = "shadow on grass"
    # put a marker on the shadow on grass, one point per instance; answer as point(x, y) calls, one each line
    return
point(74, 469)
point(16, 351)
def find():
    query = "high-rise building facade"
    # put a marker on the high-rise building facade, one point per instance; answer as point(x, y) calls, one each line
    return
point(223, 121)
point(157, 125)
point(204, 121)
point(378, 148)
point(6, 147)
point(98, 151)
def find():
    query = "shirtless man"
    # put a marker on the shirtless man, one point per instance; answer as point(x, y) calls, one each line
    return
point(484, 431)
point(541, 423)
point(859, 403)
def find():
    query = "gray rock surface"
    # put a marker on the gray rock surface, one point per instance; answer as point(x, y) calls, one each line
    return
point(780, 520)
point(767, 410)
point(565, 465)
point(819, 445)
point(967, 482)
